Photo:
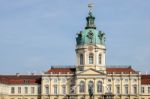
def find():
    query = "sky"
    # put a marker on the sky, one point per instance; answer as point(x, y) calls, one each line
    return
point(36, 34)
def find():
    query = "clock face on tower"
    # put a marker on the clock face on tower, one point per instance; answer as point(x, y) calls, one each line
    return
point(90, 48)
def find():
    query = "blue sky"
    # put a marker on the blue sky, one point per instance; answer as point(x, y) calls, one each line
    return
point(35, 34)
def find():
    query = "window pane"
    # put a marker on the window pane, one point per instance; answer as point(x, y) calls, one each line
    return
point(91, 58)
point(81, 59)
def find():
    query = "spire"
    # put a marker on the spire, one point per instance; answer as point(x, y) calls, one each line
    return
point(90, 19)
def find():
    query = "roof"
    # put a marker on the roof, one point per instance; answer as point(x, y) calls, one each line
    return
point(61, 71)
point(145, 79)
point(120, 70)
point(20, 79)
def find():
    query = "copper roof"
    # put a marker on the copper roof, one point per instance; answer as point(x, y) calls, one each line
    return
point(20, 79)
point(145, 79)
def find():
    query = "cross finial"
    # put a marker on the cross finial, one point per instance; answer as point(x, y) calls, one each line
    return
point(90, 6)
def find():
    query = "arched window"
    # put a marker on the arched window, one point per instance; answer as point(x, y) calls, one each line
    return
point(99, 86)
point(100, 58)
point(82, 87)
point(90, 58)
point(81, 59)
point(91, 86)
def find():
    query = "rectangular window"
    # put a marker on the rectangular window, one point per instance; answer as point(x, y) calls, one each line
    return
point(126, 89)
point(109, 88)
point(135, 89)
point(55, 89)
point(39, 89)
point(118, 89)
point(109, 80)
point(63, 89)
point(32, 90)
point(26, 90)
point(46, 89)
point(142, 90)
point(19, 90)
point(12, 90)
point(148, 89)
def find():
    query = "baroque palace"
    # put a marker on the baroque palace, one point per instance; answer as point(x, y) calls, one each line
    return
point(91, 78)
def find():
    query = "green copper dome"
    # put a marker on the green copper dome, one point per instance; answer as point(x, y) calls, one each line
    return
point(90, 35)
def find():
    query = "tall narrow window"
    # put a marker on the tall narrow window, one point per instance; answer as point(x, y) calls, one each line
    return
point(26, 90)
point(100, 58)
point(12, 90)
point(109, 88)
point(142, 90)
point(90, 58)
point(117, 89)
point(148, 89)
point(19, 90)
point(99, 86)
point(81, 59)
point(32, 90)
point(55, 89)
point(135, 89)
point(91, 87)
point(47, 89)
point(126, 89)
point(39, 89)
point(63, 89)
point(82, 87)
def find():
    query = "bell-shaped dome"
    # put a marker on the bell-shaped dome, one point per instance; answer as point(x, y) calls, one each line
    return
point(90, 35)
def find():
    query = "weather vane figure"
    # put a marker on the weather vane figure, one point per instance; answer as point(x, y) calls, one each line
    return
point(90, 6)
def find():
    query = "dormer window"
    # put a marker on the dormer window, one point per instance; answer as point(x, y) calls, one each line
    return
point(26, 81)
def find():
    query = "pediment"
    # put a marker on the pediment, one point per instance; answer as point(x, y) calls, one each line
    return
point(90, 72)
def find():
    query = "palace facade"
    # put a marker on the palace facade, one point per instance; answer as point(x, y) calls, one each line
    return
point(90, 77)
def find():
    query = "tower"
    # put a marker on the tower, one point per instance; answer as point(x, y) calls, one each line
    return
point(90, 46)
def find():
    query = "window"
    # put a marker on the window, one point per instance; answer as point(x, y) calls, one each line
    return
point(63, 89)
point(32, 90)
point(118, 89)
point(109, 80)
point(12, 90)
point(109, 88)
point(39, 89)
point(55, 80)
point(90, 58)
point(126, 89)
point(91, 87)
point(126, 80)
point(148, 89)
point(26, 90)
point(47, 89)
point(142, 90)
point(134, 80)
point(26, 81)
point(81, 59)
point(82, 87)
point(135, 89)
point(117, 80)
point(100, 58)
point(19, 90)
point(55, 89)
point(99, 86)
point(63, 80)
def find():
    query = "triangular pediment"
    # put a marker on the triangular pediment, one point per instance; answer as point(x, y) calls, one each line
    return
point(90, 72)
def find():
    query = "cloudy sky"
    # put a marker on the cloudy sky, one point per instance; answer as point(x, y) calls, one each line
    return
point(35, 34)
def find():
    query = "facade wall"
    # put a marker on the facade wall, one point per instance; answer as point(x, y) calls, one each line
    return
point(4, 89)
